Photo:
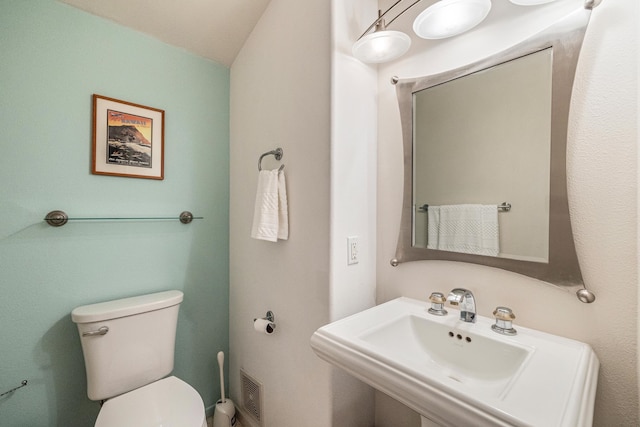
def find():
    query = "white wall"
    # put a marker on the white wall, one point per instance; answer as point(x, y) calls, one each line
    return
point(602, 168)
point(280, 86)
point(353, 195)
point(353, 163)
point(295, 85)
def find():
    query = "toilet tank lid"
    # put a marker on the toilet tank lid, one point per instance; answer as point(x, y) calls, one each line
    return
point(125, 307)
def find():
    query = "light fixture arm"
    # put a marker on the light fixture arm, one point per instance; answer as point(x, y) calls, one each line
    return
point(381, 16)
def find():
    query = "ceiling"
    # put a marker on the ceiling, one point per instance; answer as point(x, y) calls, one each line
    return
point(213, 29)
point(217, 29)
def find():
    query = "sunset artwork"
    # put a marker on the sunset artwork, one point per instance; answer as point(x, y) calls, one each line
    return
point(129, 139)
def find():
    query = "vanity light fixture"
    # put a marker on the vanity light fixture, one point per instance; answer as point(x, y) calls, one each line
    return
point(382, 45)
point(448, 18)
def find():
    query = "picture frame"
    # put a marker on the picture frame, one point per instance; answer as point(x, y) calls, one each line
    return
point(128, 139)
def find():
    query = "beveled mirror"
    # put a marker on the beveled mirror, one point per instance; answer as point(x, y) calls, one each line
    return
point(489, 140)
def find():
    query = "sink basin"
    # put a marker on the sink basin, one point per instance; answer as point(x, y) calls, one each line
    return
point(456, 373)
point(482, 363)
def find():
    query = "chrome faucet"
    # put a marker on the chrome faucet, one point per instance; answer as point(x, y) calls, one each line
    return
point(464, 298)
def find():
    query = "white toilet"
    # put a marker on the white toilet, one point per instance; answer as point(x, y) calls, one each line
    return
point(128, 347)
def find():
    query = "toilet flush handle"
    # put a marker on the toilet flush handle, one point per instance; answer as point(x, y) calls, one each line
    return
point(101, 331)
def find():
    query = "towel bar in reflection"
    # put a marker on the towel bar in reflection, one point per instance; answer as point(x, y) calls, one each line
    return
point(502, 207)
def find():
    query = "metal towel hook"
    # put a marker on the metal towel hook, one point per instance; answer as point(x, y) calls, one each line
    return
point(277, 153)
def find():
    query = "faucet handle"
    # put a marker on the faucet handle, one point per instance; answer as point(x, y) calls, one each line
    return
point(437, 304)
point(504, 318)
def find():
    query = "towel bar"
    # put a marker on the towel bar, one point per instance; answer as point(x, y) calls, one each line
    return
point(277, 153)
point(59, 218)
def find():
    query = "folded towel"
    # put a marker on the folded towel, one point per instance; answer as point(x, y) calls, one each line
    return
point(471, 229)
point(270, 215)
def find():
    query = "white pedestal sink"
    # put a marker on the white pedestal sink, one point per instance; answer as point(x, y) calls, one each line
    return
point(456, 374)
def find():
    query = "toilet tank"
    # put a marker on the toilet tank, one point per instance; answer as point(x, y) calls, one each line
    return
point(136, 349)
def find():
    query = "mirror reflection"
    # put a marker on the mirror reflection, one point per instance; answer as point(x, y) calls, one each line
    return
point(482, 140)
point(489, 132)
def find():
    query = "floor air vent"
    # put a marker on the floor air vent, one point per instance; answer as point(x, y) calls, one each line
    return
point(251, 397)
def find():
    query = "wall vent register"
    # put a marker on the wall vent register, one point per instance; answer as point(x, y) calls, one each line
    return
point(251, 397)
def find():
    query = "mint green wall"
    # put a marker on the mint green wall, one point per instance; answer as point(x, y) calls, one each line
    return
point(52, 59)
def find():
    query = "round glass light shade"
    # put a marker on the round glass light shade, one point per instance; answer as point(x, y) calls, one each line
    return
point(381, 46)
point(448, 18)
point(530, 2)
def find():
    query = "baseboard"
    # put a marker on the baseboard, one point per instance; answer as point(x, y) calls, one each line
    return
point(245, 419)
point(209, 410)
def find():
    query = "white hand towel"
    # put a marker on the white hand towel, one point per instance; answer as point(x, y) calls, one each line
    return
point(283, 208)
point(471, 229)
point(433, 224)
point(270, 216)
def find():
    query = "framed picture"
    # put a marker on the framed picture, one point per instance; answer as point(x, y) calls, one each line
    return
point(128, 139)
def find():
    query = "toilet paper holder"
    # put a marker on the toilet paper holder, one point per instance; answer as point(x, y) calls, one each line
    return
point(269, 317)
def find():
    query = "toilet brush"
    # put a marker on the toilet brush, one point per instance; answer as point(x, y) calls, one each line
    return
point(225, 414)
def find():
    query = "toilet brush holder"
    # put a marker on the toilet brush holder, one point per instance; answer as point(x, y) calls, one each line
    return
point(225, 413)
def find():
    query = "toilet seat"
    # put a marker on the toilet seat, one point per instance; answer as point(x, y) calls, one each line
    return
point(169, 402)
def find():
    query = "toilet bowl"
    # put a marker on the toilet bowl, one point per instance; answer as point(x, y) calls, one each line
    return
point(128, 347)
point(169, 402)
